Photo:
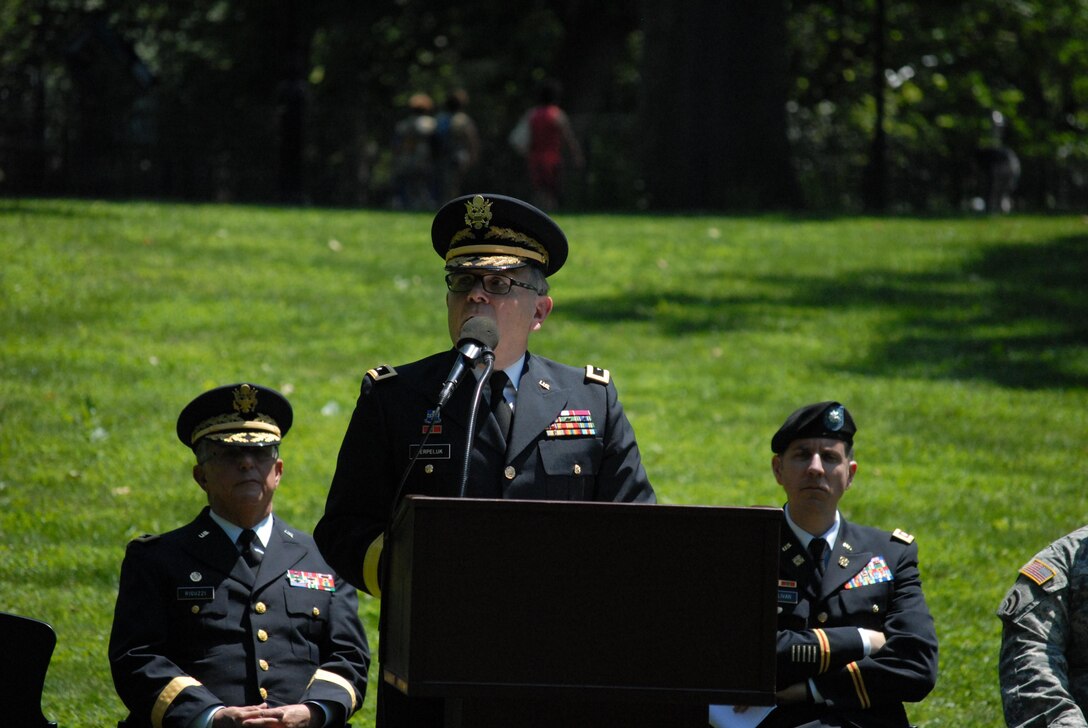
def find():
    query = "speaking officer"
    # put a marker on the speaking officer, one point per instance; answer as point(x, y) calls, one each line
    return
point(568, 440)
point(855, 638)
point(236, 616)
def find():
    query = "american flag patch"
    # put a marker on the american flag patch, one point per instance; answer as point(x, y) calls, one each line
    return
point(570, 423)
point(874, 572)
point(1038, 571)
point(311, 580)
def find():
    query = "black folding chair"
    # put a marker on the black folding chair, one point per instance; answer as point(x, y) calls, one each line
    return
point(28, 644)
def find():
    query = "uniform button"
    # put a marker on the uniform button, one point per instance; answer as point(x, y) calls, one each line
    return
point(876, 609)
point(263, 664)
point(264, 694)
point(260, 608)
point(195, 609)
point(317, 612)
point(428, 468)
point(262, 635)
point(821, 617)
point(577, 469)
point(509, 472)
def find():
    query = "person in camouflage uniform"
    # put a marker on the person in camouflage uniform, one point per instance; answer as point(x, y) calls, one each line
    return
point(1044, 641)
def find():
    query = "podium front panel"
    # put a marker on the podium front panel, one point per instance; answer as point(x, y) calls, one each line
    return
point(576, 600)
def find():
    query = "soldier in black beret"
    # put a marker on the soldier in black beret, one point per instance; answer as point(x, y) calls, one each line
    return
point(236, 616)
point(551, 431)
point(856, 638)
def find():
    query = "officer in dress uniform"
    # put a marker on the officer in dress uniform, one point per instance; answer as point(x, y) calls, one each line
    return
point(235, 616)
point(568, 440)
point(856, 638)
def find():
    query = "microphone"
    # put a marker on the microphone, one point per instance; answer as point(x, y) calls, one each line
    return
point(479, 335)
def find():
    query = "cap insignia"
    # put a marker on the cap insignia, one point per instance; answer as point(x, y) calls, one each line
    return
point(478, 212)
point(834, 419)
point(245, 399)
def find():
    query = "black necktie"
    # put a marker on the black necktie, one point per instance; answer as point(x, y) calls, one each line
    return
point(499, 406)
point(252, 551)
point(817, 547)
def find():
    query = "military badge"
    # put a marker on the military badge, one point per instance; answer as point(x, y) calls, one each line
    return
point(311, 580)
point(570, 423)
point(478, 212)
point(875, 572)
point(834, 419)
point(245, 399)
point(432, 422)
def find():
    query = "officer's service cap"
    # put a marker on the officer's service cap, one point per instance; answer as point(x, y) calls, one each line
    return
point(496, 232)
point(823, 419)
point(242, 415)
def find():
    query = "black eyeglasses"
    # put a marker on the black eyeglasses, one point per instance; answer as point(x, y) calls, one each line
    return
point(231, 456)
point(492, 283)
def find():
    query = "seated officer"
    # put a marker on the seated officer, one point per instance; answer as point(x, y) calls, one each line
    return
point(235, 618)
point(855, 637)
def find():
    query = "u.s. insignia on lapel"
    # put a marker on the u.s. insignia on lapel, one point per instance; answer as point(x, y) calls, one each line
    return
point(570, 423)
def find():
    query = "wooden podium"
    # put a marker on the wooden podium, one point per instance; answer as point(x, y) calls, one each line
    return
point(526, 613)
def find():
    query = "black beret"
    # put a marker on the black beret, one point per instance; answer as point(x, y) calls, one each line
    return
point(244, 415)
point(823, 419)
point(497, 232)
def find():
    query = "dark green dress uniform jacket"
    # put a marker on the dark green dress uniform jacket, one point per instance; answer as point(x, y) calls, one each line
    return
point(193, 627)
point(590, 454)
point(872, 581)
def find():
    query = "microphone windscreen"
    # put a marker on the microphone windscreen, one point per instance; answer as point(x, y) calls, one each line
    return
point(482, 329)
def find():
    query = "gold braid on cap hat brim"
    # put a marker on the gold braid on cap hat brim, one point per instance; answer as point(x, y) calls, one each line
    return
point(529, 248)
point(231, 423)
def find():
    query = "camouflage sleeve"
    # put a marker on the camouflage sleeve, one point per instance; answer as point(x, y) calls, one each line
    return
point(1033, 667)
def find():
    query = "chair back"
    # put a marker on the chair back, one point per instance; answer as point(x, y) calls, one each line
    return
point(29, 645)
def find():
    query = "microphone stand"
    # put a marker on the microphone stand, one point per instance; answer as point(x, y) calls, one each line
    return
point(489, 361)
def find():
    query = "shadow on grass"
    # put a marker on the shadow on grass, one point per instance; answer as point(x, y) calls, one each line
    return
point(1016, 316)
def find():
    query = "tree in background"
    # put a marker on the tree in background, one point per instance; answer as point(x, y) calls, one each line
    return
point(679, 106)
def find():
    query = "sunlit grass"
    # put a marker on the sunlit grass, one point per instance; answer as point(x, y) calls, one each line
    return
point(960, 345)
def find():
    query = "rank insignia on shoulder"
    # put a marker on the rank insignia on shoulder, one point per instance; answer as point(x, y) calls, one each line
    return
point(146, 537)
point(903, 536)
point(596, 374)
point(1038, 571)
point(381, 372)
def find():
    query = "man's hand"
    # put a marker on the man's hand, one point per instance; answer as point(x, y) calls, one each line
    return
point(234, 716)
point(876, 640)
point(288, 716)
point(796, 693)
point(254, 716)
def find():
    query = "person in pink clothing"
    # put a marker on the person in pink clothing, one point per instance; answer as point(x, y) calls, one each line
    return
point(550, 137)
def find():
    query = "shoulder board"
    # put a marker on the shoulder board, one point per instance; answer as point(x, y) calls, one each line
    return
point(145, 538)
point(381, 372)
point(903, 536)
point(596, 374)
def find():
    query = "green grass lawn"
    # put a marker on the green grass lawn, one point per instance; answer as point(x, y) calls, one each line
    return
point(960, 346)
